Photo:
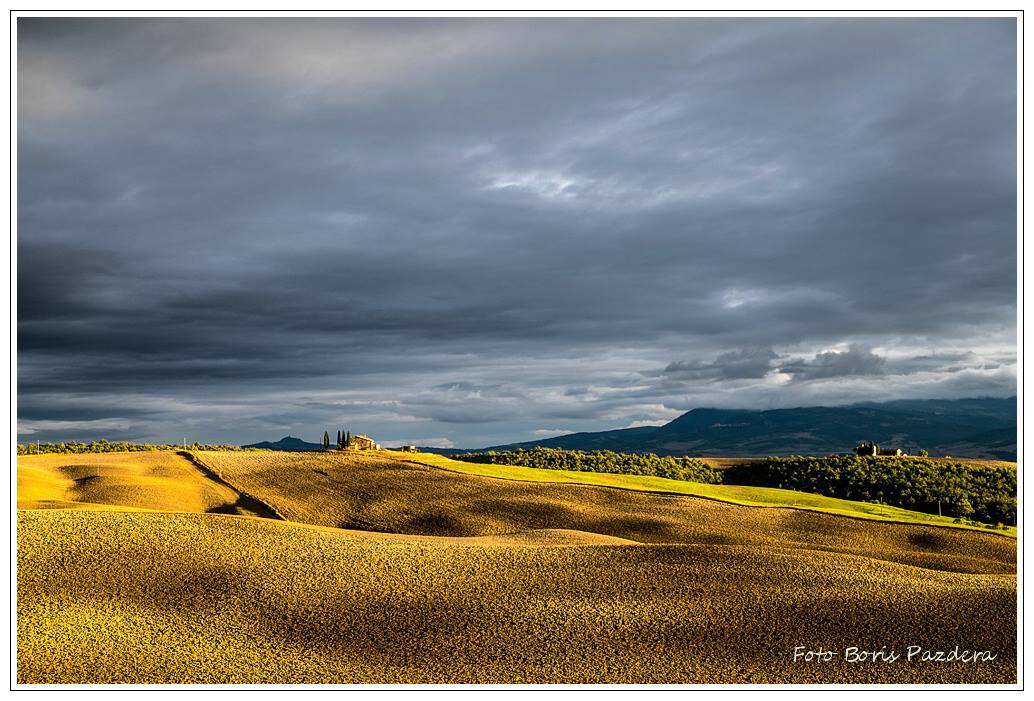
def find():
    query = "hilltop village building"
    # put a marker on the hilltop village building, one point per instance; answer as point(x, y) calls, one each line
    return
point(362, 443)
point(873, 449)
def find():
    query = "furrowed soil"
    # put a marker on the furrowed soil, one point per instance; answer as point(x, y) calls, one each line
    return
point(390, 572)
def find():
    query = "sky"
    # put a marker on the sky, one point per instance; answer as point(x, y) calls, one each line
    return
point(471, 232)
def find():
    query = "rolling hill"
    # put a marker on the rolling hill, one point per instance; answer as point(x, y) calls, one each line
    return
point(286, 443)
point(107, 597)
point(976, 428)
point(376, 568)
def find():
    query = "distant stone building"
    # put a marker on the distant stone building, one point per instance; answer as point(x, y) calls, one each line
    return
point(870, 448)
point(408, 448)
point(362, 443)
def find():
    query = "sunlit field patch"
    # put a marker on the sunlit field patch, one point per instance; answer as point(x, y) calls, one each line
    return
point(163, 481)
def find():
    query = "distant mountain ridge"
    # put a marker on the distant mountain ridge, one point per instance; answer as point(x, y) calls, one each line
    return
point(974, 428)
point(286, 443)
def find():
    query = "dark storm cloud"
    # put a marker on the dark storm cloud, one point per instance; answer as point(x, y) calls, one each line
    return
point(53, 409)
point(745, 363)
point(474, 229)
point(856, 360)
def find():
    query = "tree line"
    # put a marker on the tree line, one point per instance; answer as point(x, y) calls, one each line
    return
point(984, 493)
point(103, 446)
point(687, 469)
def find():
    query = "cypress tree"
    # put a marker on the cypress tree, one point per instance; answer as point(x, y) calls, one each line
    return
point(326, 440)
point(348, 438)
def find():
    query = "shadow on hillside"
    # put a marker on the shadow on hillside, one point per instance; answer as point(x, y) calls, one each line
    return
point(244, 506)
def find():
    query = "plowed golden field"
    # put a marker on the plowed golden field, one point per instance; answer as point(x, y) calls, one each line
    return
point(145, 568)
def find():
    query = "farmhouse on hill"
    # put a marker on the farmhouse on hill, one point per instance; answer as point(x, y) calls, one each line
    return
point(871, 448)
point(362, 443)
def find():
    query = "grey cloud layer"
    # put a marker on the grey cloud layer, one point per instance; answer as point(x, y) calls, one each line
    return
point(249, 227)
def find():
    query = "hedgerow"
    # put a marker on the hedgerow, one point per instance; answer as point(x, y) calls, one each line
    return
point(687, 469)
point(103, 446)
